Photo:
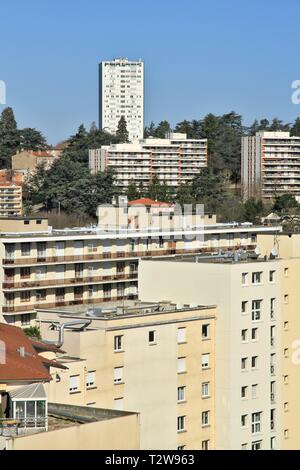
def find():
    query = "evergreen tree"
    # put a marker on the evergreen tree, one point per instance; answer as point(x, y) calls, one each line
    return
point(122, 133)
point(9, 137)
point(32, 139)
point(162, 129)
point(132, 191)
point(295, 130)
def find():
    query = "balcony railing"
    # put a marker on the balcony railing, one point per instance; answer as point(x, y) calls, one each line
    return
point(16, 427)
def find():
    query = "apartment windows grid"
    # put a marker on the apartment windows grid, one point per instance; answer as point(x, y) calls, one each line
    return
point(90, 380)
point(205, 361)
point(181, 332)
point(257, 278)
point(205, 418)
point(118, 375)
point(256, 310)
point(74, 383)
point(181, 366)
point(205, 389)
point(118, 343)
point(256, 422)
point(181, 423)
point(181, 394)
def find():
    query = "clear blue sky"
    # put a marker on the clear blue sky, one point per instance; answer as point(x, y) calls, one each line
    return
point(200, 56)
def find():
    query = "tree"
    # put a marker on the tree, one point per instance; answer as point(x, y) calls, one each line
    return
point(253, 210)
point(209, 189)
point(33, 332)
point(132, 191)
point(158, 191)
point(295, 130)
point(122, 133)
point(9, 137)
point(285, 203)
point(32, 139)
point(162, 129)
point(184, 194)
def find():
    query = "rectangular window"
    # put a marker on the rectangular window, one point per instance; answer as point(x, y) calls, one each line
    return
point(25, 249)
point(244, 421)
point(40, 295)
point(256, 309)
point(272, 308)
point(90, 380)
point(118, 404)
point(180, 394)
point(151, 336)
point(286, 272)
point(244, 306)
point(205, 389)
point(118, 375)
point(244, 361)
point(118, 343)
point(254, 362)
point(256, 278)
point(205, 361)
point(244, 335)
point(25, 319)
point(272, 276)
point(286, 299)
point(254, 389)
point(256, 423)
point(181, 365)
point(25, 273)
point(25, 296)
point(254, 334)
point(181, 335)
point(244, 392)
point(256, 445)
point(205, 331)
point(181, 423)
point(205, 418)
point(244, 279)
point(205, 445)
point(74, 383)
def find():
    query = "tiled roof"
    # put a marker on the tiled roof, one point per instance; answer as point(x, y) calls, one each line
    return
point(14, 367)
point(148, 202)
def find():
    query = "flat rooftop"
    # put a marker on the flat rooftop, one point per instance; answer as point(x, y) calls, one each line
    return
point(227, 258)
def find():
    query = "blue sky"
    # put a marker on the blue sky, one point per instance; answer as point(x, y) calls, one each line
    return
point(200, 56)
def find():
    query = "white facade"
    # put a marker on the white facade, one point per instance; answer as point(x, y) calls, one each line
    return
point(174, 160)
point(270, 165)
point(121, 93)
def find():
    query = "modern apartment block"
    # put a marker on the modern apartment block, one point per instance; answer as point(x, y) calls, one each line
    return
point(248, 378)
point(45, 268)
point(174, 160)
point(121, 93)
point(270, 165)
point(10, 193)
point(152, 358)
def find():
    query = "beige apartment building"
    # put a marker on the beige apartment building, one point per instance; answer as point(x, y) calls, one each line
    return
point(174, 160)
point(27, 161)
point(151, 358)
point(247, 292)
point(270, 165)
point(46, 268)
point(10, 193)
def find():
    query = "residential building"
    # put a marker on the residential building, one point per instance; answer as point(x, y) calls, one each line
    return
point(45, 268)
point(173, 160)
point(121, 93)
point(27, 161)
point(10, 193)
point(247, 292)
point(270, 165)
point(152, 358)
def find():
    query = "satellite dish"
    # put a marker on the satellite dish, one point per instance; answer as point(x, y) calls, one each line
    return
point(274, 251)
point(257, 251)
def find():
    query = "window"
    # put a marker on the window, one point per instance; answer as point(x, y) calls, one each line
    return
point(244, 363)
point(285, 379)
point(244, 306)
point(254, 362)
point(244, 391)
point(205, 361)
point(181, 335)
point(25, 249)
point(286, 325)
point(286, 272)
point(272, 443)
point(180, 394)
point(74, 383)
point(38, 222)
point(25, 319)
point(254, 389)
point(26, 222)
point(118, 403)
point(205, 418)
point(181, 365)
point(205, 445)
point(118, 343)
point(244, 446)
point(244, 279)
point(256, 278)
point(272, 276)
point(256, 424)
point(181, 423)
point(40, 295)
point(286, 299)
point(286, 406)
point(151, 336)
point(272, 308)
point(244, 335)
point(180, 447)
point(254, 334)
point(256, 445)
point(244, 421)
point(205, 389)
point(25, 273)
point(205, 331)
point(286, 352)
point(286, 433)
point(59, 294)
point(25, 296)
point(256, 309)
point(118, 375)
point(90, 379)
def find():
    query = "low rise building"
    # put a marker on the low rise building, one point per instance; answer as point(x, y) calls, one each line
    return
point(27, 161)
point(10, 193)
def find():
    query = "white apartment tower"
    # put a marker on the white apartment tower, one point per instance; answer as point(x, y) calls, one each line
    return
point(270, 165)
point(121, 93)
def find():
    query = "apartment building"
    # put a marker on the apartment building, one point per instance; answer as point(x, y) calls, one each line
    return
point(247, 293)
point(270, 165)
point(10, 193)
point(174, 160)
point(27, 161)
point(152, 358)
point(121, 93)
point(42, 267)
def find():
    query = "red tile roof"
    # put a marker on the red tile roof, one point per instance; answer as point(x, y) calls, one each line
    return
point(16, 367)
point(42, 346)
point(148, 202)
